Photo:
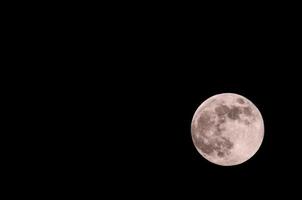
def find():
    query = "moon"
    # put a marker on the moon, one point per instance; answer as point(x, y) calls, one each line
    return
point(227, 129)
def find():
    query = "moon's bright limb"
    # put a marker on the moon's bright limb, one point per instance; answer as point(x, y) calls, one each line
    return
point(227, 129)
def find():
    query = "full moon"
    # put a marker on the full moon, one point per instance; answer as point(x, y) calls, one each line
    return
point(227, 129)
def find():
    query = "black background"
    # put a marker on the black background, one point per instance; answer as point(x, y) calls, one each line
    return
point(157, 92)
point(151, 100)
point(116, 95)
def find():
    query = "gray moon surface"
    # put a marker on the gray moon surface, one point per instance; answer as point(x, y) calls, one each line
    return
point(227, 129)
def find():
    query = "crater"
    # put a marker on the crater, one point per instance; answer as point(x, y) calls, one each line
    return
point(221, 120)
point(220, 154)
point(240, 100)
point(247, 111)
point(219, 129)
point(247, 122)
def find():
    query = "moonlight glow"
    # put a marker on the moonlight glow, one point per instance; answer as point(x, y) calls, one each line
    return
point(227, 129)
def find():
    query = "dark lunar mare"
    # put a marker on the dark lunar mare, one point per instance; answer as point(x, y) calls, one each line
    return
point(234, 113)
point(222, 109)
point(200, 144)
point(221, 145)
point(205, 122)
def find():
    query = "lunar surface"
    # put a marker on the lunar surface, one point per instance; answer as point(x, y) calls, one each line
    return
point(227, 129)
